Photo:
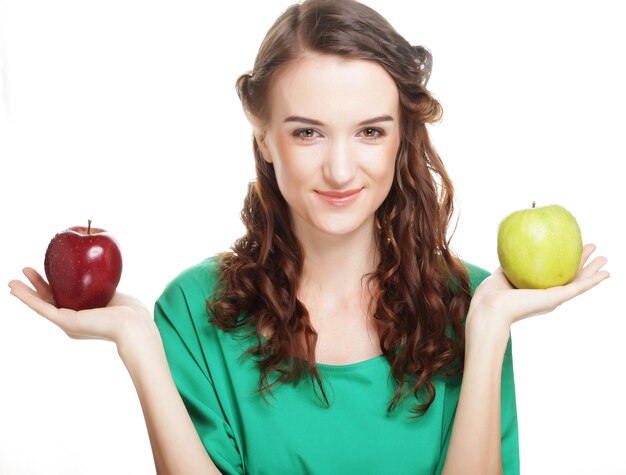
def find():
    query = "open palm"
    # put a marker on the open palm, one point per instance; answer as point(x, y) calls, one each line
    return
point(496, 294)
point(115, 321)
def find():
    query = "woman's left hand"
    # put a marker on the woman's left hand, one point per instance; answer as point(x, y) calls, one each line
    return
point(496, 298)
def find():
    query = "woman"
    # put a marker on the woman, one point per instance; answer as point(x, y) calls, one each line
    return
point(341, 334)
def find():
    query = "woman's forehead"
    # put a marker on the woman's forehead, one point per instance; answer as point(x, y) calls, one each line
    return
point(325, 87)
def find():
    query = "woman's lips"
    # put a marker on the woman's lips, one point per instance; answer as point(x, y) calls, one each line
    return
point(339, 198)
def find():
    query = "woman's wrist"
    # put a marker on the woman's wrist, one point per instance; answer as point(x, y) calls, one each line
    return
point(139, 341)
point(486, 329)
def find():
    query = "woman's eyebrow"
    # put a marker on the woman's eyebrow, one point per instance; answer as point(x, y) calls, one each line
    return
point(306, 120)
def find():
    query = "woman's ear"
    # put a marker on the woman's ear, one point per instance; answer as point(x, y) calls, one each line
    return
point(260, 136)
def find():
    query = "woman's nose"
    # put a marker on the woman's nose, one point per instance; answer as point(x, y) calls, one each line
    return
point(339, 164)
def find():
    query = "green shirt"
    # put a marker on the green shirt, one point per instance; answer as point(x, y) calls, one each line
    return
point(295, 433)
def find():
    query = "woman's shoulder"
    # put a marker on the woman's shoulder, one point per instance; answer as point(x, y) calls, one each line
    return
point(198, 278)
point(476, 275)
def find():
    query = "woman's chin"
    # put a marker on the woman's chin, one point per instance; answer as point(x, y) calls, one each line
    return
point(341, 228)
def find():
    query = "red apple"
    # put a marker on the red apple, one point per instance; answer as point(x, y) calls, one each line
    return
point(83, 266)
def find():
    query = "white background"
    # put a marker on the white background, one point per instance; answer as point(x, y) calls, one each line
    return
point(125, 112)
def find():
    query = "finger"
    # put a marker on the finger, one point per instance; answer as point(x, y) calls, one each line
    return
point(588, 283)
point(579, 286)
point(33, 300)
point(539, 301)
point(587, 251)
point(25, 288)
point(593, 267)
point(41, 286)
point(95, 323)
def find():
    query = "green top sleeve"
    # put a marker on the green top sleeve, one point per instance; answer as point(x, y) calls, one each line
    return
point(174, 315)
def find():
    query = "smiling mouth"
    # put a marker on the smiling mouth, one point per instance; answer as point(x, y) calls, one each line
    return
point(336, 198)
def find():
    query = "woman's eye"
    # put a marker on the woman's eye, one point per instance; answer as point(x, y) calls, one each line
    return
point(372, 133)
point(305, 134)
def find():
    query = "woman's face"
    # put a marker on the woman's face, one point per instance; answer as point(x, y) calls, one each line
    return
point(332, 136)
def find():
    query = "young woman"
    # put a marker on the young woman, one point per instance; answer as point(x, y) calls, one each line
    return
point(340, 334)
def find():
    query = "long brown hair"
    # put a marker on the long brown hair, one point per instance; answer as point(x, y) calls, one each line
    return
point(422, 290)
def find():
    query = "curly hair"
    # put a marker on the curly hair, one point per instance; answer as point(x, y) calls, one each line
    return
point(422, 289)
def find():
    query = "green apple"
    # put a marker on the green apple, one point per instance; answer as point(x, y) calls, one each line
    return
point(539, 247)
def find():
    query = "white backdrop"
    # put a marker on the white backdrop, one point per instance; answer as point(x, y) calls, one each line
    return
point(125, 112)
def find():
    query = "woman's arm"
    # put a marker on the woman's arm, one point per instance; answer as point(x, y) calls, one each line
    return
point(176, 445)
point(475, 443)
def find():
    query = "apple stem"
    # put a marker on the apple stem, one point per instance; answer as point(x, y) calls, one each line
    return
point(89, 226)
point(533, 204)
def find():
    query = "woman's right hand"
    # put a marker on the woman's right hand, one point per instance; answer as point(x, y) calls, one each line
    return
point(125, 320)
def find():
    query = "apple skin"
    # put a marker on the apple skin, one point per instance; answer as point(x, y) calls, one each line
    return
point(83, 266)
point(540, 248)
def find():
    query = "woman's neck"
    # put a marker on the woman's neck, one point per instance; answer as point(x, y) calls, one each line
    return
point(335, 264)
